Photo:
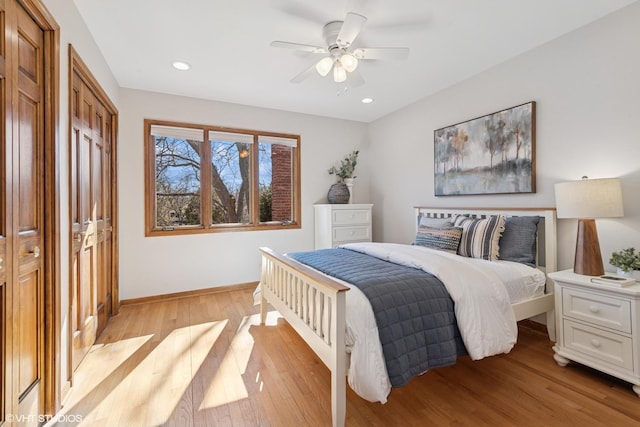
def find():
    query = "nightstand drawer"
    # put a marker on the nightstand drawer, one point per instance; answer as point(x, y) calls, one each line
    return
point(609, 347)
point(349, 234)
point(597, 309)
point(351, 216)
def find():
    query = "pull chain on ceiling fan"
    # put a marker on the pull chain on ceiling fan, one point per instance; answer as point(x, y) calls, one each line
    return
point(339, 36)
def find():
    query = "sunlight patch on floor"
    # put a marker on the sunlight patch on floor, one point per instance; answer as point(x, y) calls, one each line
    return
point(186, 349)
point(228, 384)
point(116, 353)
point(145, 384)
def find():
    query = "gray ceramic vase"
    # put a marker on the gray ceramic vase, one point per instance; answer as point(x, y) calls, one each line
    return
point(338, 193)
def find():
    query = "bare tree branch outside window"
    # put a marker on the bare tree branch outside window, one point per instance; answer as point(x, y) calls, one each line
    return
point(179, 170)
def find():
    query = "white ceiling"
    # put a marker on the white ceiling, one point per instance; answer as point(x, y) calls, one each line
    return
point(227, 43)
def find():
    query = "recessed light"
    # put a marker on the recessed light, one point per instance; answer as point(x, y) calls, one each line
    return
point(179, 65)
point(367, 100)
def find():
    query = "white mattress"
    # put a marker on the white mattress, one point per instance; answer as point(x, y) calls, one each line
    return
point(521, 281)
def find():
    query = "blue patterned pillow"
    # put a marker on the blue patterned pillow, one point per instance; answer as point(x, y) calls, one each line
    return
point(518, 242)
point(480, 237)
point(443, 239)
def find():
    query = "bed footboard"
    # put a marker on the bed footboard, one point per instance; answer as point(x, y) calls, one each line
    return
point(314, 305)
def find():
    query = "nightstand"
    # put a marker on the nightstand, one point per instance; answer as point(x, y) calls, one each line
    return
point(341, 223)
point(598, 325)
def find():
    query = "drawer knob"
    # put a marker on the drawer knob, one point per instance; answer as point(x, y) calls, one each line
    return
point(595, 343)
point(352, 233)
point(594, 309)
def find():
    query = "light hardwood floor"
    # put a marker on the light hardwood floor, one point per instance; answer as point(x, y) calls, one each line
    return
point(205, 361)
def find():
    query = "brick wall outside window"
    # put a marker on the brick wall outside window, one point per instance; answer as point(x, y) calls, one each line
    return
point(281, 183)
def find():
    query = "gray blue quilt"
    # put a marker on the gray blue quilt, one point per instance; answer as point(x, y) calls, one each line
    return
point(413, 310)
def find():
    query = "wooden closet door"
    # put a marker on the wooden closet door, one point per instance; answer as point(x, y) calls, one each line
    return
point(84, 272)
point(99, 206)
point(28, 216)
point(92, 193)
point(27, 242)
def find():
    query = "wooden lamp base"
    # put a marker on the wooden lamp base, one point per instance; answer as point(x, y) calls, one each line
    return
point(588, 259)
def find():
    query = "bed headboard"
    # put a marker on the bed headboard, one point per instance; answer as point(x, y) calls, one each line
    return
point(546, 255)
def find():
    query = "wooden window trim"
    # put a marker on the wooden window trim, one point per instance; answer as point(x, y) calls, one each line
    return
point(150, 203)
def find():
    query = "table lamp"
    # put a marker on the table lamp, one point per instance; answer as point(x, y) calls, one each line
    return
point(587, 200)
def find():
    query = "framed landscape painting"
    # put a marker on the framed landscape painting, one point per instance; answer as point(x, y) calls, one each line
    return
point(492, 154)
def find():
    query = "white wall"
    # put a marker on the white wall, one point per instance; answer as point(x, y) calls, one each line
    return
point(587, 88)
point(162, 265)
point(74, 31)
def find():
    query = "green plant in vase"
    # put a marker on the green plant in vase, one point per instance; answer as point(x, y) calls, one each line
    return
point(347, 166)
point(626, 260)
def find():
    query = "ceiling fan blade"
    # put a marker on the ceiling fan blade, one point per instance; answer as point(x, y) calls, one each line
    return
point(381, 53)
point(308, 72)
point(298, 46)
point(354, 79)
point(351, 27)
point(303, 10)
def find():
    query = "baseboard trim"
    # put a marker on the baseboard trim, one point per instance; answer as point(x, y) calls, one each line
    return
point(187, 294)
point(528, 323)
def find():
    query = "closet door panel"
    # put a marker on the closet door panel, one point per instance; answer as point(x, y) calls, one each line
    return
point(84, 223)
point(28, 200)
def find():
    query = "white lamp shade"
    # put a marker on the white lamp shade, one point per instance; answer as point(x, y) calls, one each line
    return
point(339, 73)
point(324, 66)
point(589, 198)
point(349, 62)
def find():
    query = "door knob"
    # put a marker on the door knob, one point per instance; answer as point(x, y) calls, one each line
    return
point(35, 251)
point(1, 263)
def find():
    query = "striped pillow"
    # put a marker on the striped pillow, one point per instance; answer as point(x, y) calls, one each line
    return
point(443, 239)
point(480, 237)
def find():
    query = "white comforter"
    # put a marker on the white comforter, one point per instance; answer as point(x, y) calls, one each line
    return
point(482, 307)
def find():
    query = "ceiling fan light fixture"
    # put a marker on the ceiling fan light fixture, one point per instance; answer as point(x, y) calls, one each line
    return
point(339, 73)
point(349, 62)
point(324, 66)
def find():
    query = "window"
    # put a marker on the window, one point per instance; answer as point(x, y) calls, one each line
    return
point(207, 179)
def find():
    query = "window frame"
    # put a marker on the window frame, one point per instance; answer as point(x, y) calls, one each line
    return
point(207, 226)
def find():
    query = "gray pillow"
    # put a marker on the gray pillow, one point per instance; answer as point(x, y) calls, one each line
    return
point(518, 241)
point(435, 222)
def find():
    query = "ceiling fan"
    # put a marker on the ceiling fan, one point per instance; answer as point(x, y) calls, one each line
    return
point(339, 56)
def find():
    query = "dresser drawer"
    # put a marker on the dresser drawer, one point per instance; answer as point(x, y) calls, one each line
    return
point(612, 348)
point(351, 216)
point(350, 234)
point(597, 309)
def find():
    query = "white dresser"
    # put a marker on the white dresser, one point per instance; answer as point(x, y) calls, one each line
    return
point(337, 224)
point(598, 325)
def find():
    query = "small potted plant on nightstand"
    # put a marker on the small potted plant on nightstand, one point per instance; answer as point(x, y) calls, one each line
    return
point(627, 261)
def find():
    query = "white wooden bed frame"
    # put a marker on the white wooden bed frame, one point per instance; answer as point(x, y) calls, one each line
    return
point(314, 304)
